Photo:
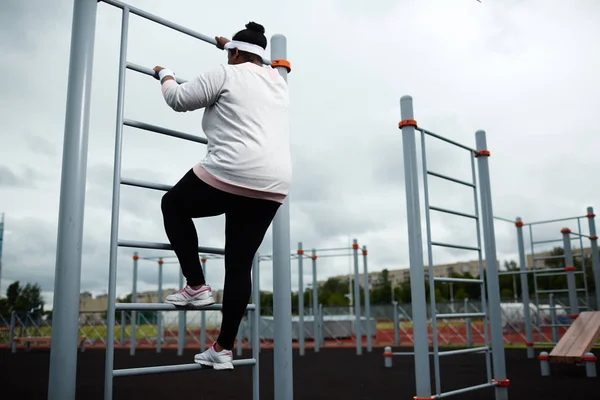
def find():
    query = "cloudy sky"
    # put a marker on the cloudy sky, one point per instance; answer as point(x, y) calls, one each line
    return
point(523, 70)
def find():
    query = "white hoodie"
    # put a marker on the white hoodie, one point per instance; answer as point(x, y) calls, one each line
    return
point(246, 122)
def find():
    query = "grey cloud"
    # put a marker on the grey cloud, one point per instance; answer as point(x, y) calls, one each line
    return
point(41, 145)
point(26, 179)
point(491, 68)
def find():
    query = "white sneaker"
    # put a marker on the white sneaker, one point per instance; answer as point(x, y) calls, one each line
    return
point(217, 359)
point(189, 296)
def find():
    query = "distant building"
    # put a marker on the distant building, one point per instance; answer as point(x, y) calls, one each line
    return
point(397, 276)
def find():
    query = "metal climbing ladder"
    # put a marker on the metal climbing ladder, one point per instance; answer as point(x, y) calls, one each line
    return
point(62, 382)
point(116, 242)
point(491, 312)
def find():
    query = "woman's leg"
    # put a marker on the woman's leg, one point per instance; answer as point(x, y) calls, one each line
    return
point(189, 198)
point(247, 221)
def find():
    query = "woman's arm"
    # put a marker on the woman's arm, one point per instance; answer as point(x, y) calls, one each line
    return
point(192, 95)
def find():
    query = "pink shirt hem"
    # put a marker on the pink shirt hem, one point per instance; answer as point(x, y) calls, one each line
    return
point(209, 179)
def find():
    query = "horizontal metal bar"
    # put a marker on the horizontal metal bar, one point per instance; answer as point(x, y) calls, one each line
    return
point(547, 241)
point(553, 240)
point(446, 353)
point(330, 249)
point(145, 185)
point(174, 368)
point(579, 234)
point(165, 246)
point(454, 246)
point(448, 178)
point(458, 280)
point(554, 291)
point(460, 315)
point(558, 325)
point(543, 271)
point(164, 131)
point(510, 221)
point(443, 139)
point(516, 272)
point(463, 351)
point(553, 220)
point(465, 390)
point(147, 71)
point(460, 214)
point(170, 307)
point(334, 255)
point(548, 258)
point(166, 23)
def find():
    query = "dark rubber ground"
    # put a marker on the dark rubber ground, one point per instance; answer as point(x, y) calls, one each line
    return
point(332, 374)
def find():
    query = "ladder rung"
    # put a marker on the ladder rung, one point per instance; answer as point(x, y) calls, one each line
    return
point(164, 131)
point(165, 246)
point(174, 368)
point(170, 307)
point(145, 185)
point(148, 71)
point(458, 280)
point(461, 315)
point(448, 178)
point(445, 210)
point(454, 246)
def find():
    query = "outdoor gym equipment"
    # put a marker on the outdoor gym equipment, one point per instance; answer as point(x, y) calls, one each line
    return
point(63, 356)
point(569, 270)
point(409, 126)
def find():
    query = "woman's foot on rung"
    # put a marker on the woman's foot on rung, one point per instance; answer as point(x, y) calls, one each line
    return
point(189, 296)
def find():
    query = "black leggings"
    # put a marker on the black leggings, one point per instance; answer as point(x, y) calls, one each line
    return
point(246, 222)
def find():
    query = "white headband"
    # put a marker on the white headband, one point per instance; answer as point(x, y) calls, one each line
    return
point(244, 46)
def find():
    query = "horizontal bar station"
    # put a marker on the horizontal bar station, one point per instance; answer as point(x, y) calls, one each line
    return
point(553, 220)
point(174, 368)
point(443, 139)
point(165, 246)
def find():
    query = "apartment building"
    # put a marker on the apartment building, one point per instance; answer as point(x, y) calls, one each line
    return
point(400, 275)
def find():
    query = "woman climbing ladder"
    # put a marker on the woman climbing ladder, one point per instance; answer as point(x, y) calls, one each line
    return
point(246, 175)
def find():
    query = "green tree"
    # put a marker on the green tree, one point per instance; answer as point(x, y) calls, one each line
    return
point(23, 299)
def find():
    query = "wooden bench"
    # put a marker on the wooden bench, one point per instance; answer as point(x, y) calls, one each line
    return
point(578, 340)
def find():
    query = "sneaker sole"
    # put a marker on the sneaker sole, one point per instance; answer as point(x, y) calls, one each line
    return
point(217, 366)
point(197, 303)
